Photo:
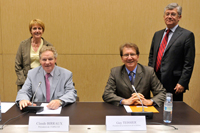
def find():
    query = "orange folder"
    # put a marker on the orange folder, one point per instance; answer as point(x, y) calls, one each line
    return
point(146, 109)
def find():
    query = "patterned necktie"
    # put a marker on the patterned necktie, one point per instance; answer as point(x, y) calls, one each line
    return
point(161, 50)
point(132, 78)
point(47, 87)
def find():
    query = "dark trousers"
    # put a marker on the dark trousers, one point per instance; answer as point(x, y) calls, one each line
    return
point(176, 97)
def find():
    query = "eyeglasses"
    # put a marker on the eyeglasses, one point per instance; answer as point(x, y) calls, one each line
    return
point(172, 14)
point(127, 55)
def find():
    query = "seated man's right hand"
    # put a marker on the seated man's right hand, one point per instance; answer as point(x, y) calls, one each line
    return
point(25, 103)
point(144, 101)
point(139, 94)
point(131, 101)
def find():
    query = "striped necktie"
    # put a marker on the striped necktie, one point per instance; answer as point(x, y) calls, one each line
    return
point(161, 50)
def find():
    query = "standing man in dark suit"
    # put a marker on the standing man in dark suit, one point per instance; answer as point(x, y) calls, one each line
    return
point(119, 91)
point(172, 53)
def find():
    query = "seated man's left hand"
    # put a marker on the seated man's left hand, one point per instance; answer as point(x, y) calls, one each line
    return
point(135, 95)
point(144, 101)
point(54, 104)
point(147, 102)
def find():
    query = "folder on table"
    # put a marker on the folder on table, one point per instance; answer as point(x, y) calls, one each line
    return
point(146, 109)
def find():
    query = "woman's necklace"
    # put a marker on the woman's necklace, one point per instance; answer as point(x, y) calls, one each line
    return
point(35, 45)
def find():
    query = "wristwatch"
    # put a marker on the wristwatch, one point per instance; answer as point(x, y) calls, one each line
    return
point(154, 104)
point(152, 100)
point(61, 102)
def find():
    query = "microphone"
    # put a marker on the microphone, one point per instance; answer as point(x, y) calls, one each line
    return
point(149, 115)
point(34, 108)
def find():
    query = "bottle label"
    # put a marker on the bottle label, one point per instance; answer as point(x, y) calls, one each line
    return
point(168, 108)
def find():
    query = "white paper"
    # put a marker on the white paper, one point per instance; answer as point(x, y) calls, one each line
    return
point(5, 106)
point(49, 111)
point(125, 123)
point(128, 109)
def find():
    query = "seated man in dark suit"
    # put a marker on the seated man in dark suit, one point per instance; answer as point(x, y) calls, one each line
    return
point(119, 89)
point(56, 83)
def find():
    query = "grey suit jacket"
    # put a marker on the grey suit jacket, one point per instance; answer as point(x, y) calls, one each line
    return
point(119, 86)
point(62, 86)
point(178, 60)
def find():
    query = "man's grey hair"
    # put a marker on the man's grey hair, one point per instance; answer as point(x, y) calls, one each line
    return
point(171, 6)
point(48, 48)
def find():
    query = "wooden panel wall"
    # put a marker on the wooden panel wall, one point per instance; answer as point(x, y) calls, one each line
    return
point(1, 64)
point(87, 35)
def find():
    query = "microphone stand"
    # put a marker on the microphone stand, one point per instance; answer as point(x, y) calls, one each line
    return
point(149, 115)
point(34, 108)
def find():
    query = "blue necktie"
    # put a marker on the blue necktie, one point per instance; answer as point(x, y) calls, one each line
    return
point(132, 78)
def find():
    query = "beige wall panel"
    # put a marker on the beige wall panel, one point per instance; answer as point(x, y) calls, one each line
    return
point(191, 97)
point(1, 79)
point(143, 59)
point(191, 19)
point(16, 16)
point(84, 27)
point(96, 27)
point(10, 89)
point(90, 73)
point(1, 68)
point(0, 33)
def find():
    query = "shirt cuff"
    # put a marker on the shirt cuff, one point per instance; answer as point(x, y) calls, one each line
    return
point(120, 103)
point(154, 104)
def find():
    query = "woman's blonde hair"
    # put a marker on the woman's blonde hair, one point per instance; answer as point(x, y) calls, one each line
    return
point(36, 21)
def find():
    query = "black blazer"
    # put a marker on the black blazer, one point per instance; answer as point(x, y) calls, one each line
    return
point(178, 60)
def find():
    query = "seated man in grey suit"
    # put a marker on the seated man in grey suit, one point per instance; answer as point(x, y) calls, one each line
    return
point(119, 91)
point(56, 83)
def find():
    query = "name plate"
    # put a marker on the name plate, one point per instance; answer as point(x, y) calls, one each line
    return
point(48, 123)
point(125, 123)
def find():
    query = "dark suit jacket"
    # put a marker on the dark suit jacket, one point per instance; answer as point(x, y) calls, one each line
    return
point(119, 86)
point(23, 60)
point(178, 60)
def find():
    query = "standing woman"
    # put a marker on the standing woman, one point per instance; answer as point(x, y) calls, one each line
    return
point(27, 56)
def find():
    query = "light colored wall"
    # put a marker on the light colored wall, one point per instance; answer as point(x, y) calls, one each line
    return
point(87, 35)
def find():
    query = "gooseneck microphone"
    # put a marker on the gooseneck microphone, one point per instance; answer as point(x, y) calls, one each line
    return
point(34, 108)
point(149, 115)
point(36, 92)
point(138, 97)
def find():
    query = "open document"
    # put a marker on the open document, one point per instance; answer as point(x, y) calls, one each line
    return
point(49, 111)
point(5, 106)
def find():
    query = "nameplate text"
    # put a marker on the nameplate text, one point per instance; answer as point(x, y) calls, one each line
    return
point(125, 123)
point(48, 123)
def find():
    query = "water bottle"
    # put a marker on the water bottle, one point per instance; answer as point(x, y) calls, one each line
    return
point(0, 108)
point(168, 106)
